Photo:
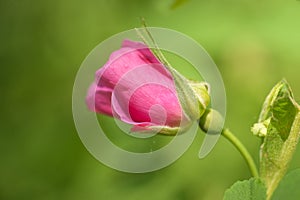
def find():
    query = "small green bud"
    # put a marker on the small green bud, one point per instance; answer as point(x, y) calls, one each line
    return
point(211, 121)
point(260, 129)
point(201, 90)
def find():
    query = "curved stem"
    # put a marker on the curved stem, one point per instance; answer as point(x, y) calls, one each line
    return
point(242, 149)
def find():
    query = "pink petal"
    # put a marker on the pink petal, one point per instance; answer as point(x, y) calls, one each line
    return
point(142, 88)
point(136, 88)
point(99, 99)
point(157, 104)
point(124, 60)
point(120, 62)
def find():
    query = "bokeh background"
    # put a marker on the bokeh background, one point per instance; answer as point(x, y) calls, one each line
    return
point(254, 44)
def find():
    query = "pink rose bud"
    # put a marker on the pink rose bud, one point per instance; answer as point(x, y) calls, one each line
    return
point(135, 87)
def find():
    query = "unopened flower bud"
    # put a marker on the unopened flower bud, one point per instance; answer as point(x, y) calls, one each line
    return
point(137, 88)
point(211, 121)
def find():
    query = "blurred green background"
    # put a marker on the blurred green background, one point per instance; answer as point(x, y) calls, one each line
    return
point(254, 44)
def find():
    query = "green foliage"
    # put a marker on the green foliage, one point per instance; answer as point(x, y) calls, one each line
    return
point(252, 189)
point(288, 189)
point(283, 130)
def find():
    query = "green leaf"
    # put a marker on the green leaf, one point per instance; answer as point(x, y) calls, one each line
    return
point(282, 134)
point(288, 188)
point(252, 189)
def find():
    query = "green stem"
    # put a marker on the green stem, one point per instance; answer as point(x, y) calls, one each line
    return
point(242, 149)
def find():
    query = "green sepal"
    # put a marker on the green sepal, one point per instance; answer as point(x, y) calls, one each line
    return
point(163, 130)
point(201, 89)
point(187, 94)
